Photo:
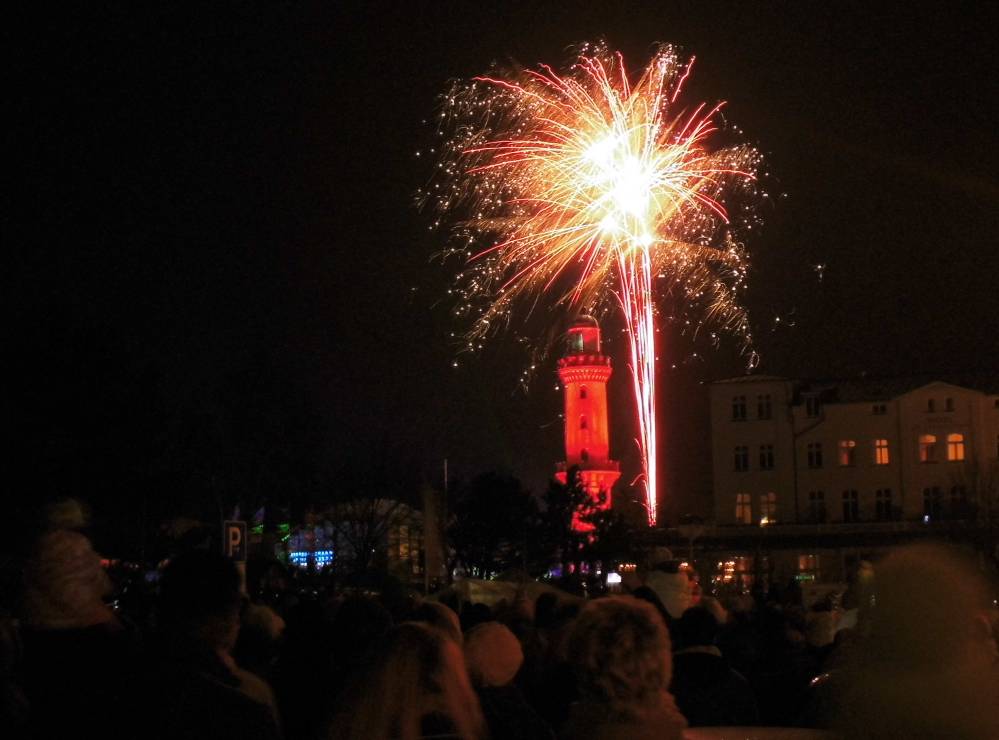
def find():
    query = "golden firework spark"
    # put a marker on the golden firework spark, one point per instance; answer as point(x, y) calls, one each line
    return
point(596, 190)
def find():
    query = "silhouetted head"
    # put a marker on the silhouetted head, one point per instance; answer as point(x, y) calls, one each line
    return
point(441, 617)
point(416, 674)
point(493, 654)
point(620, 650)
point(200, 598)
point(545, 610)
point(697, 627)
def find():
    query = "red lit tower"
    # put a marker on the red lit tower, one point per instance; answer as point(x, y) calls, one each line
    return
point(584, 372)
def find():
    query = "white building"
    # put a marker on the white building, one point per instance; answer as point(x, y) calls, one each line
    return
point(854, 460)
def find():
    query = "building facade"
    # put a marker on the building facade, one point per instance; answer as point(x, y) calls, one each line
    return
point(817, 474)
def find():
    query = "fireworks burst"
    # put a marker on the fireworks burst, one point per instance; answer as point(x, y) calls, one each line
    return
point(599, 192)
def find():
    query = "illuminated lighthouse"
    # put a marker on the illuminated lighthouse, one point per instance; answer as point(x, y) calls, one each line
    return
point(584, 373)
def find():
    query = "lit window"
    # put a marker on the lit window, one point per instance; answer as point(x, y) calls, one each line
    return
point(851, 506)
point(881, 454)
point(816, 506)
point(882, 505)
point(743, 508)
point(808, 567)
point(812, 406)
point(847, 452)
point(949, 404)
point(323, 558)
point(582, 392)
point(764, 407)
point(582, 422)
point(931, 503)
point(768, 508)
point(741, 458)
point(815, 454)
point(739, 408)
point(766, 457)
point(955, 447)
point(299, 558)
point(927, 448)
point(931, 405)
point(879, 409)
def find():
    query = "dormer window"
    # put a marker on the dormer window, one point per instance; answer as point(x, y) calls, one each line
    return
point(812, 406)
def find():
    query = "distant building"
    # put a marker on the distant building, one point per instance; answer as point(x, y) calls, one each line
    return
point(584, 371)
point(812, 476)
point(377, 534)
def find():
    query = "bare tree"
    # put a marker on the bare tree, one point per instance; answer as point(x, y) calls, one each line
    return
point(361, 529)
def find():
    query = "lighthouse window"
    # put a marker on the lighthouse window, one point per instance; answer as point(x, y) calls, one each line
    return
point(582, 392)
point(582, 422)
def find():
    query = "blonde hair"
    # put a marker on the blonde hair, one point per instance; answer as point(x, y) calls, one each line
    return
point(620, 650)
point(417, 672)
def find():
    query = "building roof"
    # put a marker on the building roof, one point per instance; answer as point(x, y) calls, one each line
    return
point(752, 379)
point(872, 388)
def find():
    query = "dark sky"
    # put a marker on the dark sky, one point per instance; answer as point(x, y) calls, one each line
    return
point(215, 211)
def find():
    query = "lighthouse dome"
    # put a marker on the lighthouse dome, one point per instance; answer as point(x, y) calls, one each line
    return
point(583, 336)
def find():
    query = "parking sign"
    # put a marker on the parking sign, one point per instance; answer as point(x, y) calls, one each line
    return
point(234, 541)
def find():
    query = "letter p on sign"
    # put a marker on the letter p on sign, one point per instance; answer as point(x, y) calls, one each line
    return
point(234, 541)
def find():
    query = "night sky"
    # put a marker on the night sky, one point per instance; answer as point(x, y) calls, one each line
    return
point(218, 260)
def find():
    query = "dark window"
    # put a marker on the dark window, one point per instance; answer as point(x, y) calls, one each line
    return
point(582, 422)
point(741, 458)
point(815, 454)
point(958, 502)
point(816, 506)
point(949, 404)
point(882, 505)
point(931, 405)
point(738, 408)
point(766, 457)
point(584, 456)
point(932, 505)
point(764, 407)
point(879, 409)
point(582, 392)
point(851, 506)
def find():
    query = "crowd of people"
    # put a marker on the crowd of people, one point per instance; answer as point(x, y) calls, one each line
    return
point(202, 654)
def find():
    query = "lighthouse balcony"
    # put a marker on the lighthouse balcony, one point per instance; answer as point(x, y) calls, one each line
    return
point(609, 466)
point(584, 360)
